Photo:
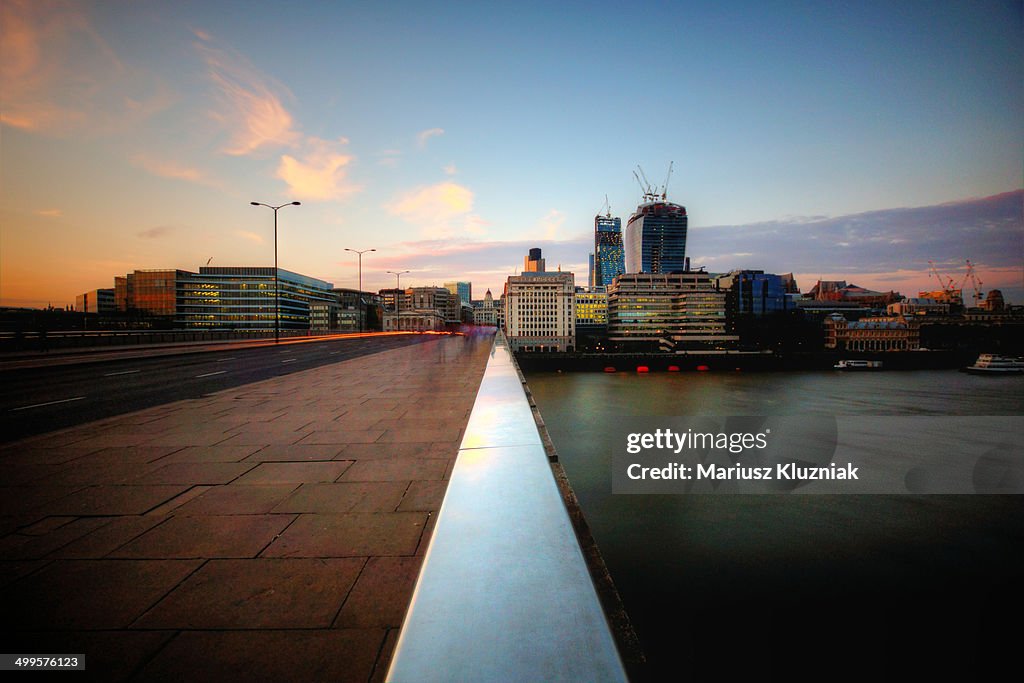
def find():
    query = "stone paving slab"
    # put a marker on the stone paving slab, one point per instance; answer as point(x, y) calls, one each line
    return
point(268, 532)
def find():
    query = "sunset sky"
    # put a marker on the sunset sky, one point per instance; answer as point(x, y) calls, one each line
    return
point(850, 141)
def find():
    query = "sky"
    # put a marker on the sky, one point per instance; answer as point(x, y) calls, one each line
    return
point(854, 141)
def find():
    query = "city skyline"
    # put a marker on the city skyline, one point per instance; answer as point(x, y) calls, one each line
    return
point(830, 142)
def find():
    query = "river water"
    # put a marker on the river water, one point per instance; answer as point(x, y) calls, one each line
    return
point(798, 586)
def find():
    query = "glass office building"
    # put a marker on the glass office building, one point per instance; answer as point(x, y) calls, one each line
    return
point(609, 255)
point(755, 292)
point(655, 239)
point(242, 298)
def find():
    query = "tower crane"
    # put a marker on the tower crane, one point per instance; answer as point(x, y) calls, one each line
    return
point(650, 192)
point(664, 188)
point(946, 284)
point(975, 282)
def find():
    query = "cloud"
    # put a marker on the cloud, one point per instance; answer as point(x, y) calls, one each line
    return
point(389, 158)
point(450, 169)
point(245, 234)
point(321, 173)
point(551, 223)
point(250, 108)
point(58, 75)
point(174, 170)
point(987, 230)
point(156, 232)
point(436, 208)
point(424, 135)
point(50, 213)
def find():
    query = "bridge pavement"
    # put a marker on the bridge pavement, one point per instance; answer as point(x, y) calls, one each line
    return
point(272, 531)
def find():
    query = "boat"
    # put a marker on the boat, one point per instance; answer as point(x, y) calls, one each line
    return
point(994, 364)
point(858, 365)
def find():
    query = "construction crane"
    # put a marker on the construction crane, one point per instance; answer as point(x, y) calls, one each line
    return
point(606, 208)
point(650, 192)
point(664, 188)
point(946, 284)
point(975, 283)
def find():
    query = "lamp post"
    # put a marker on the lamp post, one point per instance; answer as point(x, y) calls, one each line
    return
point(277, 300)
point(356, 251)
point(398, 293)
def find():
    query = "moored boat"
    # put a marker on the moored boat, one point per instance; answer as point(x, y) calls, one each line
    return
point(858, 365)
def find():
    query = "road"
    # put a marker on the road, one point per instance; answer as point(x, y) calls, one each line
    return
point(41, 399)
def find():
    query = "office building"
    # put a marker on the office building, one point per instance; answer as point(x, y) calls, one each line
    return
point(655, 239)
point(668, 312)
point(96, 301)
point(532, 262)
point(242, 298)
point(754, 292)
point(590, 271)
point(609, 254)
point(540, 310)
point(153, 293)
point(420, 309)
point(591, 308)
point(463, 290)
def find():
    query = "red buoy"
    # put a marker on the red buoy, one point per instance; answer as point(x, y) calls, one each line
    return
point(673, 368)
point(702, 368)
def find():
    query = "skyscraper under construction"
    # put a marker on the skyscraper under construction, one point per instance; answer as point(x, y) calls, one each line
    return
point(655, 237)
point(609, 256)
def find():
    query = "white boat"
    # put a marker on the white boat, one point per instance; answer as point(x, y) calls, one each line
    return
point(858, 365)
point(994, 364)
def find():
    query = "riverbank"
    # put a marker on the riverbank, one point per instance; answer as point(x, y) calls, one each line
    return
point(736, 360)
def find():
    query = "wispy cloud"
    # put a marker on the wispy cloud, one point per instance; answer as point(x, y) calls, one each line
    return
point(321, 173)
point(550, 223)
point(389, 158)
point(450, 169)
point(250, 102)
point(424, 135)
point(47, 45)
point(50, 213)
point(174, 170)
point(437, 209)
point(252, 236)
point(156, 232)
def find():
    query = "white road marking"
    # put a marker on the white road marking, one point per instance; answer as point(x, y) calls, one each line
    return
point(290, 360)
point(49, 403)
point(211, 374)
point(221, 360)
point(123, 372)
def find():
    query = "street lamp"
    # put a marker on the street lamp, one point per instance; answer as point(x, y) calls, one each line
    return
point(356, 251)
point(277, 300)
point(398, 293)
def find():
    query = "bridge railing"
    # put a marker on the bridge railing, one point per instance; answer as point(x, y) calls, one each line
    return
point(504, 592)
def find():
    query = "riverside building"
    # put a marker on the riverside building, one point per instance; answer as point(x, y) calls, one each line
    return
point(668, 312)
point(754, 292)
point(540, 309)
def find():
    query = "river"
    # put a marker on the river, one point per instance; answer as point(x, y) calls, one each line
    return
point(797, 586)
